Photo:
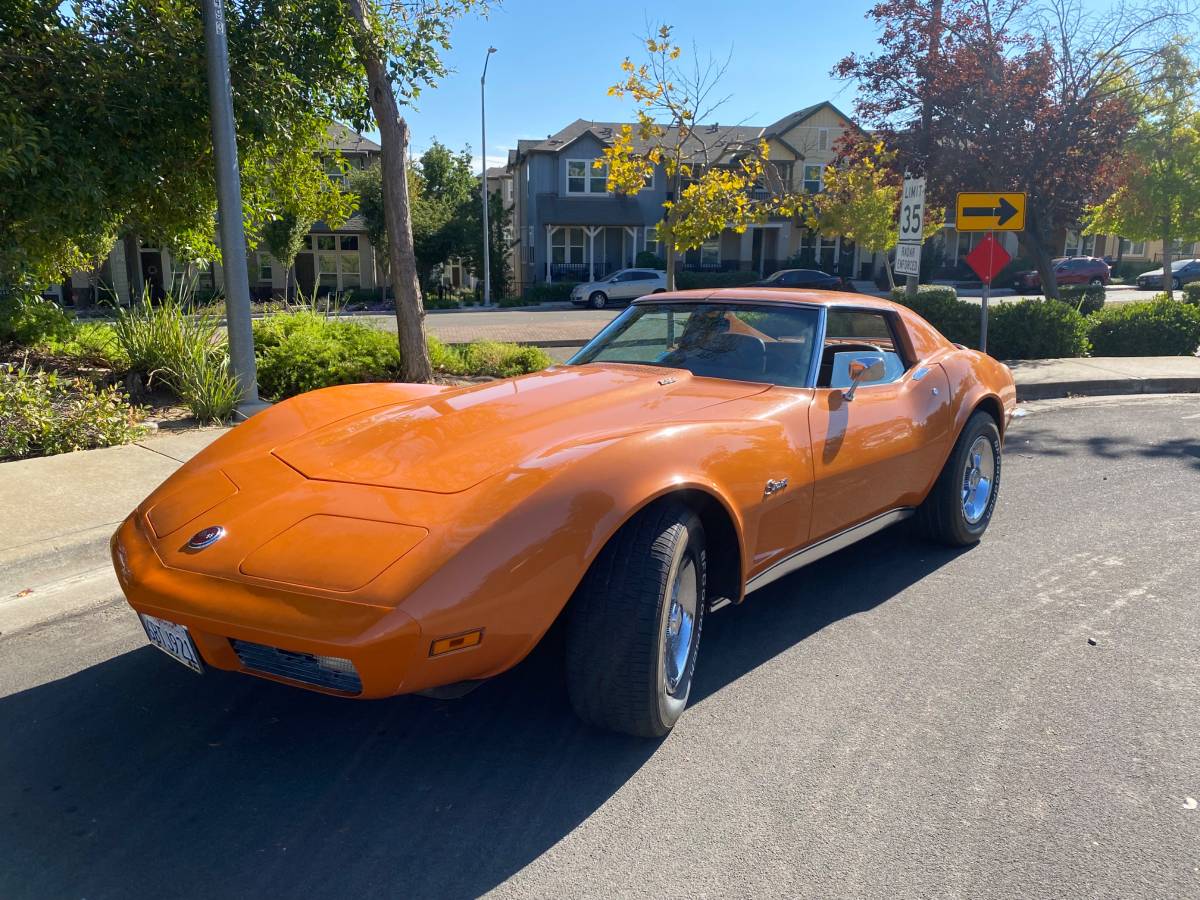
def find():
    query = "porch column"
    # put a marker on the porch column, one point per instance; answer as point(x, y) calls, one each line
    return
point(630, 230)
point(550, 229)
point(591, 233)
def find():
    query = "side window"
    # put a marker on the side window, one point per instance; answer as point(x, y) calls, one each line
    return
point(851, 334)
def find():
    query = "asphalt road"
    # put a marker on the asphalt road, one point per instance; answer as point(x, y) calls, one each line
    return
point(897, 720)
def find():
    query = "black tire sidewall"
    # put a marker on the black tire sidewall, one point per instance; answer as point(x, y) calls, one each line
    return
point(980, 425)
point(597, 300)
point(690, 545)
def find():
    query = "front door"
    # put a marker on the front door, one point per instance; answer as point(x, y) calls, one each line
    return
point(306, 274)
point(152, 273)
point(877, 451)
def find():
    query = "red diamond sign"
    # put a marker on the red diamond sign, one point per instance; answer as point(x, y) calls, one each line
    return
point(988, 258)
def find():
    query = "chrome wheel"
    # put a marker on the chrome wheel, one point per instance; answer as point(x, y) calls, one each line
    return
point(979, 477)
point(680, 630)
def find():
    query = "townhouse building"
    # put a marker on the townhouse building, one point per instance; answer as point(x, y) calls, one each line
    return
point(569, 227)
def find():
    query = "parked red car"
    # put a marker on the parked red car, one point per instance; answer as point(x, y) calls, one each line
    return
point(1067, 270)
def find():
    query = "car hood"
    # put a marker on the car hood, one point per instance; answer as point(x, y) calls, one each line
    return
point(1154, 273)
point(450, 441)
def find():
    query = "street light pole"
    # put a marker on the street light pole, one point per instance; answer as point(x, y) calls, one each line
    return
point(229, 209)
point(487, 264)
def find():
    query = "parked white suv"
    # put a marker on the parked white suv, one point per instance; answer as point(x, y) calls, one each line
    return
point(627, 284)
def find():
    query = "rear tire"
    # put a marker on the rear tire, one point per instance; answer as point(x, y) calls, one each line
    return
point(598, 300)
point(960, 505)
point(1096, 281)
point(633, 630)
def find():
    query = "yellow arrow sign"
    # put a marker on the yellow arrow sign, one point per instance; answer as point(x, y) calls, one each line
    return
point(990, 211)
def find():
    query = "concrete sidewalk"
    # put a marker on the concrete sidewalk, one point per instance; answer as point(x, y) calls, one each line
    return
point(1047, 379)
point(62, 510)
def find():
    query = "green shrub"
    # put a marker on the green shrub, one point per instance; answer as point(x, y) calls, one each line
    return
point(28, 320)
point(186, 351)
point(687, 281)
point(91, 342)
point(503, 360)
point(1191, 293)
point(1036, 329)
point(1159, 327)
point(647, 260)
point(303, 351)
point(942, 309)
point(41, 414)
point(1086, 298)
point(545, 293)
point(487, 358)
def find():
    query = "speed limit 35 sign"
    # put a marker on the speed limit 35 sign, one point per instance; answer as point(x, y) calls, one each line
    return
point(912, 211)
point(912, 227)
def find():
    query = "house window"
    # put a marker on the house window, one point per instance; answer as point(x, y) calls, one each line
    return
point(1132, 248)
point(812, 179)
point(585, 178)
point(822, 138)
point(507, 191)
point(652, 240)
point(264, 268)
point(650, 180)
point(566, 246)
point(335, 173)
point(710, 253)
point(1076, 245)
point(337, 261)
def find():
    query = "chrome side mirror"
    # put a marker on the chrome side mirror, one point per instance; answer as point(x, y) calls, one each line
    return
point(864, 369)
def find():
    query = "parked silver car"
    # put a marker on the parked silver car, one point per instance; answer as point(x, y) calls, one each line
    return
point(1183, 271)
point(624, 285)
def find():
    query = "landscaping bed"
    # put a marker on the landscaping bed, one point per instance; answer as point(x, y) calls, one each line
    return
point(1078, 325)
point(68, 384)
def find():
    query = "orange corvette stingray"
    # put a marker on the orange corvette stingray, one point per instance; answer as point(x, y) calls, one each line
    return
point(378, 539)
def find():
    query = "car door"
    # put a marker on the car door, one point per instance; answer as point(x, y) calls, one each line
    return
point(873, 453)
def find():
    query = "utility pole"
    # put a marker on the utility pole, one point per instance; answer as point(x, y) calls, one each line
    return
point(229, 210)
point(483, 191)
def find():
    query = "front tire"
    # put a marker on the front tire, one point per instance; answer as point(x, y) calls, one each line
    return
point(959, 508)
point(633, 630)
point(598, 300)
point(1177, 284)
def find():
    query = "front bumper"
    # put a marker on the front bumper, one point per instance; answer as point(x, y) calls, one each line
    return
point(384, 644)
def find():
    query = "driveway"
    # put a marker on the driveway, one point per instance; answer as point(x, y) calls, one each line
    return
point(897, 720)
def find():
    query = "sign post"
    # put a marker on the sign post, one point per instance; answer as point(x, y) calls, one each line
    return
point(988, 259)
point(912, 230)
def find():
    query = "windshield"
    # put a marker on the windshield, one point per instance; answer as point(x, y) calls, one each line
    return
point(1179, 264)
point(771, 344)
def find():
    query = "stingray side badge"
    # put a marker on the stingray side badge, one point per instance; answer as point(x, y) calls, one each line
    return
point(206, 538)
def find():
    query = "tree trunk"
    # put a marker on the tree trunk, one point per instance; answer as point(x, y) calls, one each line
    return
point(133, 267)
point(1042, 259)
point(393, 137)
point(1167, 279)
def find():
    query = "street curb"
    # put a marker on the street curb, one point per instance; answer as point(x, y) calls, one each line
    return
point(1054, 390)
point(53, 559)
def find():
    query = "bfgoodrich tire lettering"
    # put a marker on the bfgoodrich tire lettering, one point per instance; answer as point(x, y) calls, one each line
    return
point(631, 648)
point(957, 510)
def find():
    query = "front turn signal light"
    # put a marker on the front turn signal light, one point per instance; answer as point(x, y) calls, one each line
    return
point(456, 642)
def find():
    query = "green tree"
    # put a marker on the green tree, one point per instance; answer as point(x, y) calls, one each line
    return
point(711, 182)
point(367, 187)
point(1159, 197)
point(861, 200)
point(104, 116)
point(284, 237)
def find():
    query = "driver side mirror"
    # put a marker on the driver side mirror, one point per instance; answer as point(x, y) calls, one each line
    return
point(864, 370)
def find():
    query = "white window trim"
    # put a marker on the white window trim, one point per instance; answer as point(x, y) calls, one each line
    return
point(264, 261)
point(822, 138)
point(590, 174)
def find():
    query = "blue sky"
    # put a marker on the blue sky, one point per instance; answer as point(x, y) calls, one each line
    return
point(555, 61)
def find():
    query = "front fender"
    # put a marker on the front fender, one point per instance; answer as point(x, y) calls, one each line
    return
point(555, 513)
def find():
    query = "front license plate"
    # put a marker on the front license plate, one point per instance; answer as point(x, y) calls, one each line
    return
point(172, 640)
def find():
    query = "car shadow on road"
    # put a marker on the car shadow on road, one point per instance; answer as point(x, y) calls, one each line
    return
point(137, 778)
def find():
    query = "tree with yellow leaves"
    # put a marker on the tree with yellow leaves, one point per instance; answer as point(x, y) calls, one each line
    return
point(711, 180)
point(860, 203)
